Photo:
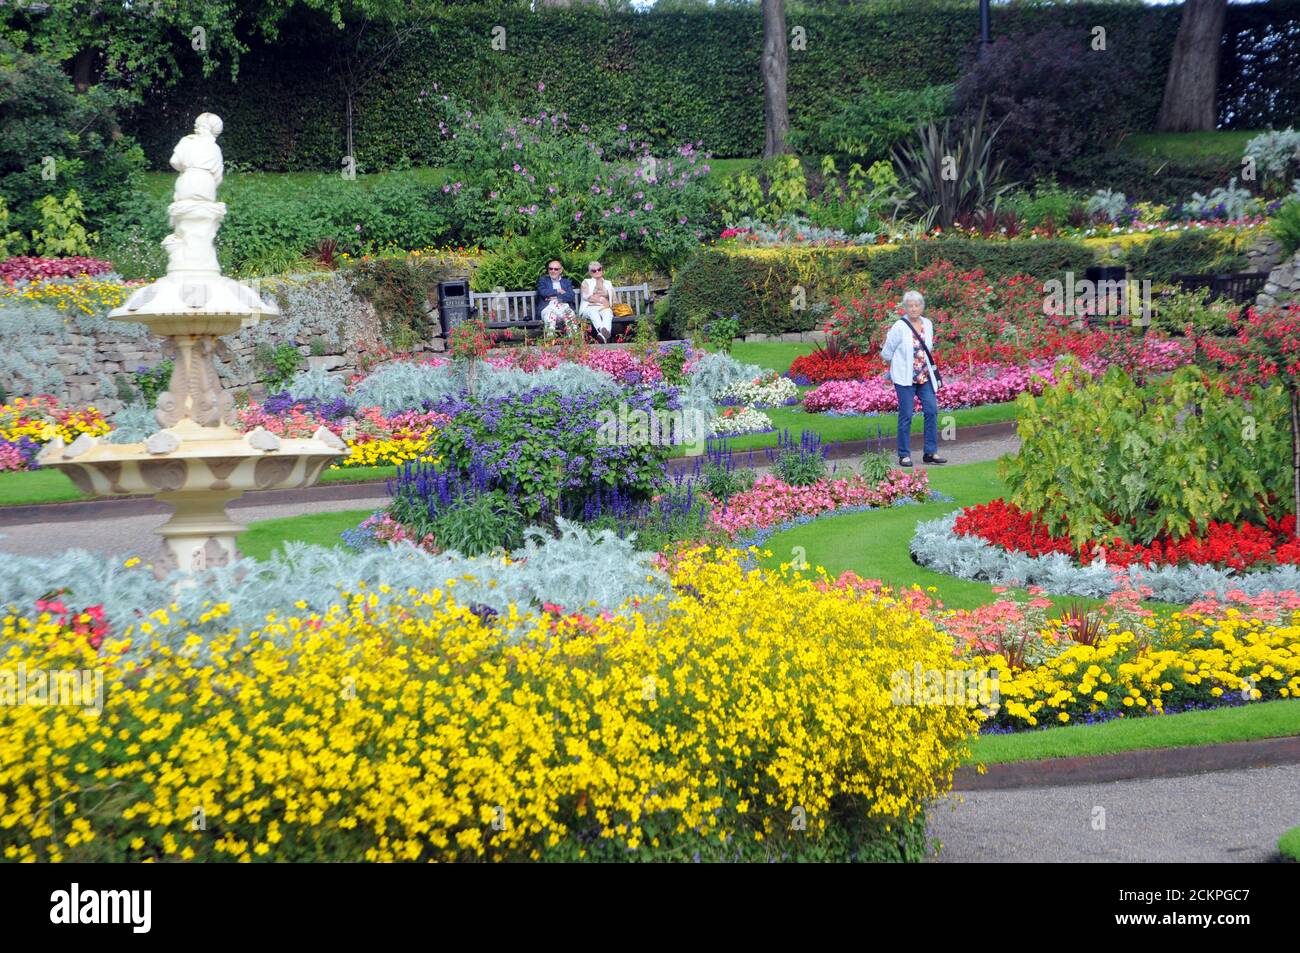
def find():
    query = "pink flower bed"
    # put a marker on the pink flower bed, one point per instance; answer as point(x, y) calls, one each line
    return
point(369, 423)
point(973, 387)
point(616, 362)
point(28, 268)
point(771, 502)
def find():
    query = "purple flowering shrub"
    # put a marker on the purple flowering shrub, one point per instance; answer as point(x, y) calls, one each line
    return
point(598, 187)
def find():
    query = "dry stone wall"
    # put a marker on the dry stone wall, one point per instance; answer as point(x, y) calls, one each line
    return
point(85, 359)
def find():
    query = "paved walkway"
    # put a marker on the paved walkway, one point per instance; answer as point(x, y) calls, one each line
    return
point(134, 535)
point(1222, 816)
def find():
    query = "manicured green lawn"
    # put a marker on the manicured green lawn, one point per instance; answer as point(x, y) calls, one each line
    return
point(36, 486)
point(1272, 719)
point(875, 544)
point(357, 474)
point(263, 538)
point(1222, 143)
point(1289, 844)
point(770, 354)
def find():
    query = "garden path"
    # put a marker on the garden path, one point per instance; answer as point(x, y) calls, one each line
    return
point(1217, 817)
point(128, 536)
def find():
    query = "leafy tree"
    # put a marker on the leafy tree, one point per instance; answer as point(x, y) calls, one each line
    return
point(56, 141)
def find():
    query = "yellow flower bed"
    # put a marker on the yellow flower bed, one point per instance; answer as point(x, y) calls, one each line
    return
point(1178, 660)
point(386, 452)
point(85, 294)
point(748, 717)
point(43, 419)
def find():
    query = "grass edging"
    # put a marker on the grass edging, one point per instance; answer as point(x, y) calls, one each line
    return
point(1288, 845)
point(1257, 720)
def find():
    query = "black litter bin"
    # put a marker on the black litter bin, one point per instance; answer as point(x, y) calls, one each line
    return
point(1111, 298)
point(453, 303)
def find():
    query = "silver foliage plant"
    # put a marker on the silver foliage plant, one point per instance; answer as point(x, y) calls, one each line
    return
point(570, 380)
point(402, 385)
point(714, 373)
point(576, 569)
point(936, 546)
point(29, 361)
point(1276, 152)
point(316, 384)
point(134, 423)
point(1111, 204)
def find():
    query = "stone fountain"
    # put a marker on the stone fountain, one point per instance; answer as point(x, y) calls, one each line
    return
point(197, 461)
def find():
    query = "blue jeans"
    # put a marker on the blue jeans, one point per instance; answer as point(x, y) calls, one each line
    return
point(929, 407)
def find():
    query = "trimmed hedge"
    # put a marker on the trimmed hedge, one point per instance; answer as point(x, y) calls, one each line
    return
point(672, 76)
point(762, 284)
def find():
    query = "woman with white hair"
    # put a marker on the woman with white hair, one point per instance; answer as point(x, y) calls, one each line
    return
point(907, 351)
point(598, 301)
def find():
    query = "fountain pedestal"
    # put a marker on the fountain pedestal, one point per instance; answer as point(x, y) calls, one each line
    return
point(197, 461)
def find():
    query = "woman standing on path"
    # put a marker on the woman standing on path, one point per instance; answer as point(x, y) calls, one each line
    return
point(907, 351)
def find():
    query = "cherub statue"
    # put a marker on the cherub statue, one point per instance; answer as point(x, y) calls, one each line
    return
point(197, 158)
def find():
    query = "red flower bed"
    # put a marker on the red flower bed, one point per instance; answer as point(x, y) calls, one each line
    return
point(822, 366)
point(1225, 545)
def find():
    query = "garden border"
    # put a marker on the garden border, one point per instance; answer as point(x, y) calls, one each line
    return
point(1130, 765)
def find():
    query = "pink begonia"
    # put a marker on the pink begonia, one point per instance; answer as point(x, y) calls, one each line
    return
point(974, 386)
point(11, 459)
point(771, 501)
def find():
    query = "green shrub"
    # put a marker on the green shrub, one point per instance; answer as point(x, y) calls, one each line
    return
point(1105, 458)
point(1177, 310)
point(278, 364)
point(869, 124)
point(674, 74)
point(401, 289)
point(152, 382)
point(1187, 252)
point(515, 262)
point(1045, 201)
point(62, 229)
point(57, 140)
point(1055, 96)
point(1040, 257)
point(952, 170)
point(1285, 225)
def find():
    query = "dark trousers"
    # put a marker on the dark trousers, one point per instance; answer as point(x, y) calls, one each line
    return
point(929, 407)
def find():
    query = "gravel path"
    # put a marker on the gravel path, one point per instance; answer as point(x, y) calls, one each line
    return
point(134, 535)
point(1223, 816)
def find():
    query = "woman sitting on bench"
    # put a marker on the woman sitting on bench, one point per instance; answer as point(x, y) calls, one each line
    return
point(598, 301)
point(554, 299)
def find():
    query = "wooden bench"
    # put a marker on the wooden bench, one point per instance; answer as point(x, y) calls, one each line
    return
point(514, 310)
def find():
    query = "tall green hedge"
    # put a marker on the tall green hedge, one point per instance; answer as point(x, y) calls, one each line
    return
point(674, 76)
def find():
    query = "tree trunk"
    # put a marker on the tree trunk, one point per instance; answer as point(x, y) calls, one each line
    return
point(1190, 87)
point(776, 59)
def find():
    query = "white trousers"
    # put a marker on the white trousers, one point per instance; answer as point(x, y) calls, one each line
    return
point(602, 319)
point(555, 311)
